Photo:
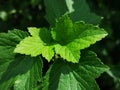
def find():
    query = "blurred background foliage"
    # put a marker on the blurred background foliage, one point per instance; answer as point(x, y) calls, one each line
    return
point(109, 48)
point(21, 14)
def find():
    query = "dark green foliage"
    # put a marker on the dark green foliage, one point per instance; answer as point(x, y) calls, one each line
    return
point(77, 10)
point(109, 48)
point(80, 76)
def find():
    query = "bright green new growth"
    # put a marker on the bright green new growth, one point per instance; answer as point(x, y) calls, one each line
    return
point(65, 39)
point(33, 45)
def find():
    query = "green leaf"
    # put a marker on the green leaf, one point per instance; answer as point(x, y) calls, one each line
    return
point(77, 10)
point(30, 79)
point(67, 52)
point(18, 66)
point(12, 38)
point(24, 72)
point(81, 76)
point(34, 31)
point(83, 12)
point(8, 42)
point(73, 37)
point(30, 46)
point(86, 34)
point(48, 52)
point(55, 9)
point(63, 30)
point(46, 36)
point(34, 45)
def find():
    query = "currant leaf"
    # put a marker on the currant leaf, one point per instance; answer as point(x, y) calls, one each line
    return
point(34, 45)
point(63, 75)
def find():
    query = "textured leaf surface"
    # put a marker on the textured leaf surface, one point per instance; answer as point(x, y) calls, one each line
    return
point(24, 72)
point(34, 45)
point(21, 71)
point(30, 79)
point(81, 76)
point(30, 46)
point(86, 34)
point(63, 30)
point(67, 52)
point(8, 42)
point(72, 37)
point(77, 9)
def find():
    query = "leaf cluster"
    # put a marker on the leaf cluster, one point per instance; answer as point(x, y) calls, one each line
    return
point(65, 39)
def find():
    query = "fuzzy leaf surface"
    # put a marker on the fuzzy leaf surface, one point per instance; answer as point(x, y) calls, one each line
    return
point(81, 76)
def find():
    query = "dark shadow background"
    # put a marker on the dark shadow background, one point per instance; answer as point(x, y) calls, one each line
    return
point(109, 48)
